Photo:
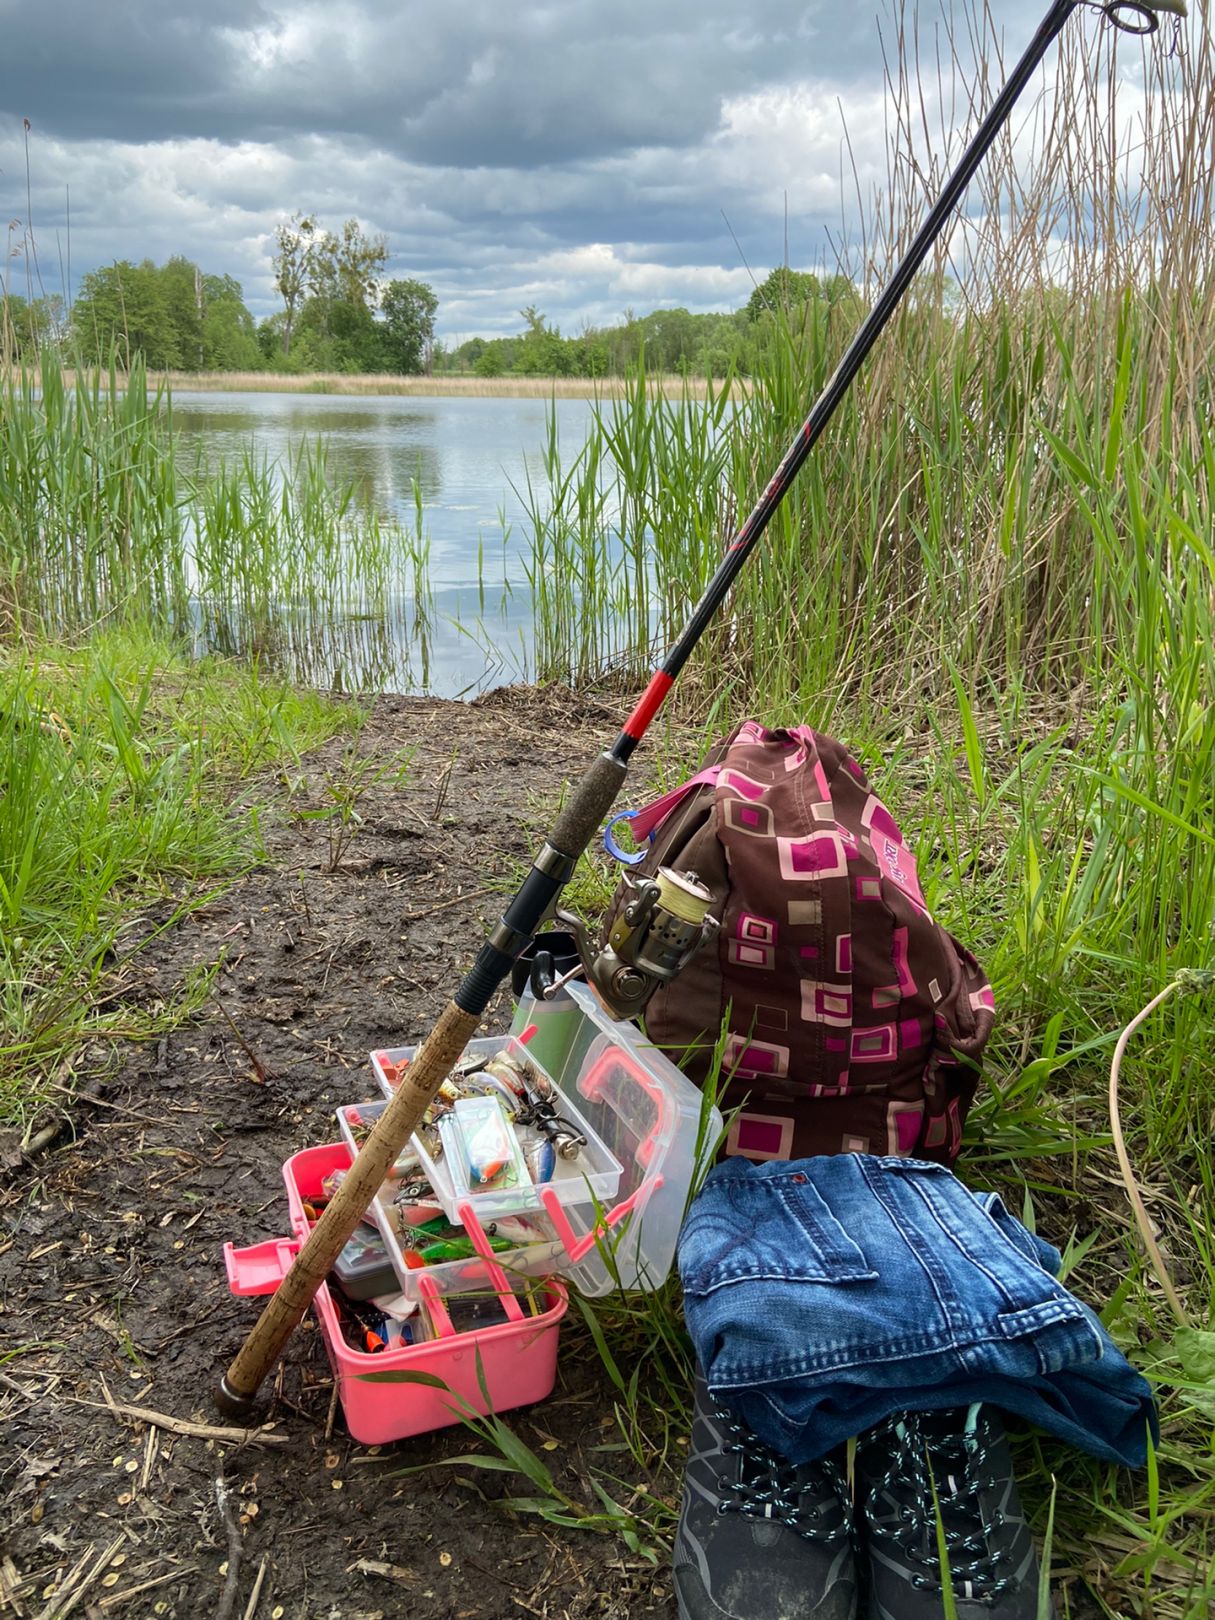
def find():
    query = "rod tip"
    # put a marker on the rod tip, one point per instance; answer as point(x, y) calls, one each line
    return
point(240, 1408)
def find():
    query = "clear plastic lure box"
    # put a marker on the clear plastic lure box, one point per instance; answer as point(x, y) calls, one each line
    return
point(651, 1122)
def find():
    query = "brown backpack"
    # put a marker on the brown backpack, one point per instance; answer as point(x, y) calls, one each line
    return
point(855, 1022)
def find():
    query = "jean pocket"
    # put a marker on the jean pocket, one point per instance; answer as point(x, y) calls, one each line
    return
point(1057, 1333)
point(1035, 1249)
point(753, 1228)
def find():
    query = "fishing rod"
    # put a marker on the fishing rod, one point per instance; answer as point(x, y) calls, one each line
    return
point(666, 924)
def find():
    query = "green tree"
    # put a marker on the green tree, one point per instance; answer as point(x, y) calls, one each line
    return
point(542, 352)
point(123, 309)
point(348, 267)
point(781, 291)
point(293, 268)
point(270, 338)
point(229, 339)
point(408, 309)
point(329, 284)
point(176, 316)
point(182, 287)
point(493, 359)
point(590, 354)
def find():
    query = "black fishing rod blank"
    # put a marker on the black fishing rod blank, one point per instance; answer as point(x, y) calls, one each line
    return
point(592, 798)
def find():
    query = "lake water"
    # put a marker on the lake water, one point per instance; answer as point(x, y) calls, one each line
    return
point(472, 460)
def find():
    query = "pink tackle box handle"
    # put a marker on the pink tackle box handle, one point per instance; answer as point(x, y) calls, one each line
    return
point(591, 1085)
point(261, 1267)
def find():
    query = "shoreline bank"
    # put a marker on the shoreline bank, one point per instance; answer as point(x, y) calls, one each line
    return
point(388, 386)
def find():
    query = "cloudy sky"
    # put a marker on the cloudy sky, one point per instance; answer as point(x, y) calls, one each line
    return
point(580, 156)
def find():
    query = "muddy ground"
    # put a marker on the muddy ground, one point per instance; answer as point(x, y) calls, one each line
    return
point(112, 1286)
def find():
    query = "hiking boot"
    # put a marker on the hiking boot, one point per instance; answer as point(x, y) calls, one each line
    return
point(993, 1568)
point(759, 1539)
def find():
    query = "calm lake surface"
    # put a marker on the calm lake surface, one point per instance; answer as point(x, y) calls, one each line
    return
point(472, 460)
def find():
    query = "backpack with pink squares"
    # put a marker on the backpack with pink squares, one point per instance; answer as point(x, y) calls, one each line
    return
point(854, 1021)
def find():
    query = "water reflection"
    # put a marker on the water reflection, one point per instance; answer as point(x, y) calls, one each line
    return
point(470, 457)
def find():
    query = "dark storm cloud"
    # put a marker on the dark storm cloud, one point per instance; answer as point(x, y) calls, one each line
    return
point(467, 83)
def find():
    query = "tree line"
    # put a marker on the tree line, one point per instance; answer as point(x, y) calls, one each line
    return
point(673, 340)
point(339, 313)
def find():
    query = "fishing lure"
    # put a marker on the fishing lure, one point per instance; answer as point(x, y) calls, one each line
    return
point(541, 1159)
point(459, 1248)
point(516, 1072)
point(489, 1147)
point(410, 1214)
point(543, 1117)
point(522, 1230)
point(411, 1161)
point(486, 1084)
point(437, 1227)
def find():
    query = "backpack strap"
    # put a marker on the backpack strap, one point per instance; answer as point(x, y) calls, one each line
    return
point(645, 823)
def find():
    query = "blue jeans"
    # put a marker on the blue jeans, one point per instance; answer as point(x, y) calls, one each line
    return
point(825, 1294)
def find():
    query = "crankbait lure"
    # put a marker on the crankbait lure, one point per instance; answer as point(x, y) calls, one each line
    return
point(488, 1143)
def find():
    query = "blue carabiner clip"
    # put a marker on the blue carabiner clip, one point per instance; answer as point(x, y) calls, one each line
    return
point(614, 849)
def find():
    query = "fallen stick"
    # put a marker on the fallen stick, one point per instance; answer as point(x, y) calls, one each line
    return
point(227, 1600)
point(251, 1606)
point(199, 1431)
point(453, 900)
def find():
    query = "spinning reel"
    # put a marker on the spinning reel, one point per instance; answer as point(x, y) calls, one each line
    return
point(663, 922)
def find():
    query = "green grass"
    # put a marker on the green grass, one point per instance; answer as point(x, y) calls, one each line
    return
point(121, 764)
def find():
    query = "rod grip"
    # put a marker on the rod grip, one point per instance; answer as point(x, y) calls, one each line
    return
point(263, 1346)
point(586, 807)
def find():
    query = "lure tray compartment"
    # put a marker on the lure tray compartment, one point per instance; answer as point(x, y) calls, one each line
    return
point(516, 1359)
point(530, 1260)
point(594, 1177)
point(648, 1119)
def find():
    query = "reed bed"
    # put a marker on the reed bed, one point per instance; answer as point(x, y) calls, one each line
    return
point(104, 519)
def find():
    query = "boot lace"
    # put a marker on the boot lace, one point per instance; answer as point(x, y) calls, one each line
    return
point(769, 1487)
point(961, 1471)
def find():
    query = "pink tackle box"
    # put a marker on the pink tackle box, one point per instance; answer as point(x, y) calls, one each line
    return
point(514, 1363)
point(615, 1226)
